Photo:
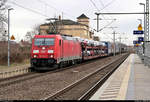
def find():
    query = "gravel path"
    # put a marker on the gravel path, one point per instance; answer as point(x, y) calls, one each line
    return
point(44, 86)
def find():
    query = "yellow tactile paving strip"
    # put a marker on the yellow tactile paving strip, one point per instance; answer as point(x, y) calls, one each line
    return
point(124, 86)
point(115, 88)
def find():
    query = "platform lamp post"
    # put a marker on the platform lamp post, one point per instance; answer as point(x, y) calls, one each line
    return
point(9, 36)
point(144, 27)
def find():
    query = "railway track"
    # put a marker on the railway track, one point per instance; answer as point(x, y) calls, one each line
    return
point(79, 90)
point(31, 75)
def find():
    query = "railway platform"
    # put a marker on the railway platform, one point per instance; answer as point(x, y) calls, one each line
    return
point(131, 81)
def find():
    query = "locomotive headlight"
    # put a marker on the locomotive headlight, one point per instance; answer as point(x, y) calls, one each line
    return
point(35, 51)
point(51, 56)
point(50, 51)
point(43, 48)
point(35, 56)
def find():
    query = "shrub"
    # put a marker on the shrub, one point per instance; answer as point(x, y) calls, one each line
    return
point(17, 53)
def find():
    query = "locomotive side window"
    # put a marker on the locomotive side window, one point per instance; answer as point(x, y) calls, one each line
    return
point(59, 42)
point(44, 41)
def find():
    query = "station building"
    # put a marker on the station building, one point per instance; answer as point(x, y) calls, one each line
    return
point(78, 28)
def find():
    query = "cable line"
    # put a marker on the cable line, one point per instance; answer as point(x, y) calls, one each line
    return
point(68, 15)
point(95, 5)
point(105, 6)
point(31, 10)
point(102, 15)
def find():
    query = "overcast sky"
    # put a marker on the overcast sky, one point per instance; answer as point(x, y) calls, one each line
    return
point(23, 20)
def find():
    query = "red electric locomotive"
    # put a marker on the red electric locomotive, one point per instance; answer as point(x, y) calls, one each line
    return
point(51, 51)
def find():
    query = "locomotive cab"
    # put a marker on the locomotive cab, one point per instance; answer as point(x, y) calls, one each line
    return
point(53, 51)
point(43, 53)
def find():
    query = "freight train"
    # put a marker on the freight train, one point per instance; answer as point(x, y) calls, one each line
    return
point(57, 50)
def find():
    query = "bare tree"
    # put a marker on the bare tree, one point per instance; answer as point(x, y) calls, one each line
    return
point(56, 25)
point(36, 29)
point(30, 34)
point(3, 20)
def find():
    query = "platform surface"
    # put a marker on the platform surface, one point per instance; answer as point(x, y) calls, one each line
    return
point(131, 81)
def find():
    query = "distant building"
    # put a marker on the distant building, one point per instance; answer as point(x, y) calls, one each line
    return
point(69, 27)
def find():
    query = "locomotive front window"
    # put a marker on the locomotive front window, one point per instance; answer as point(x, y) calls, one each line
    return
point(44, 41)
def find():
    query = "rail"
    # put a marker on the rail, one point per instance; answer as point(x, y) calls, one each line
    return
point(92, 90)
point(60, 93)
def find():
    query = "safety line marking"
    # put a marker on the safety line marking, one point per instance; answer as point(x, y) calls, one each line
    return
point(124, 86)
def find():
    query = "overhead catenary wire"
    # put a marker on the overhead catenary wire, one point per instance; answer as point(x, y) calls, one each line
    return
point(104, 6)
point(98, 8)
point(50, 6)
point(14, 2)
point(58, 10)
point(31, 10)
point(28, 9)
point(102, 15)
point(94, 5)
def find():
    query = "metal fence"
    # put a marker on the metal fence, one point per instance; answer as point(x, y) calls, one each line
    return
point(14, 73)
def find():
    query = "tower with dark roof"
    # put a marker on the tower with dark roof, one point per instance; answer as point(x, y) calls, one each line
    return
point(83, 19)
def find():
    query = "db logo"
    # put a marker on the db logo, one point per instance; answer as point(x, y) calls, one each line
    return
point(43, 51)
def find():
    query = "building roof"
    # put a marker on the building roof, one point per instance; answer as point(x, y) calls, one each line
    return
point(82, 16)
point(64, 22)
